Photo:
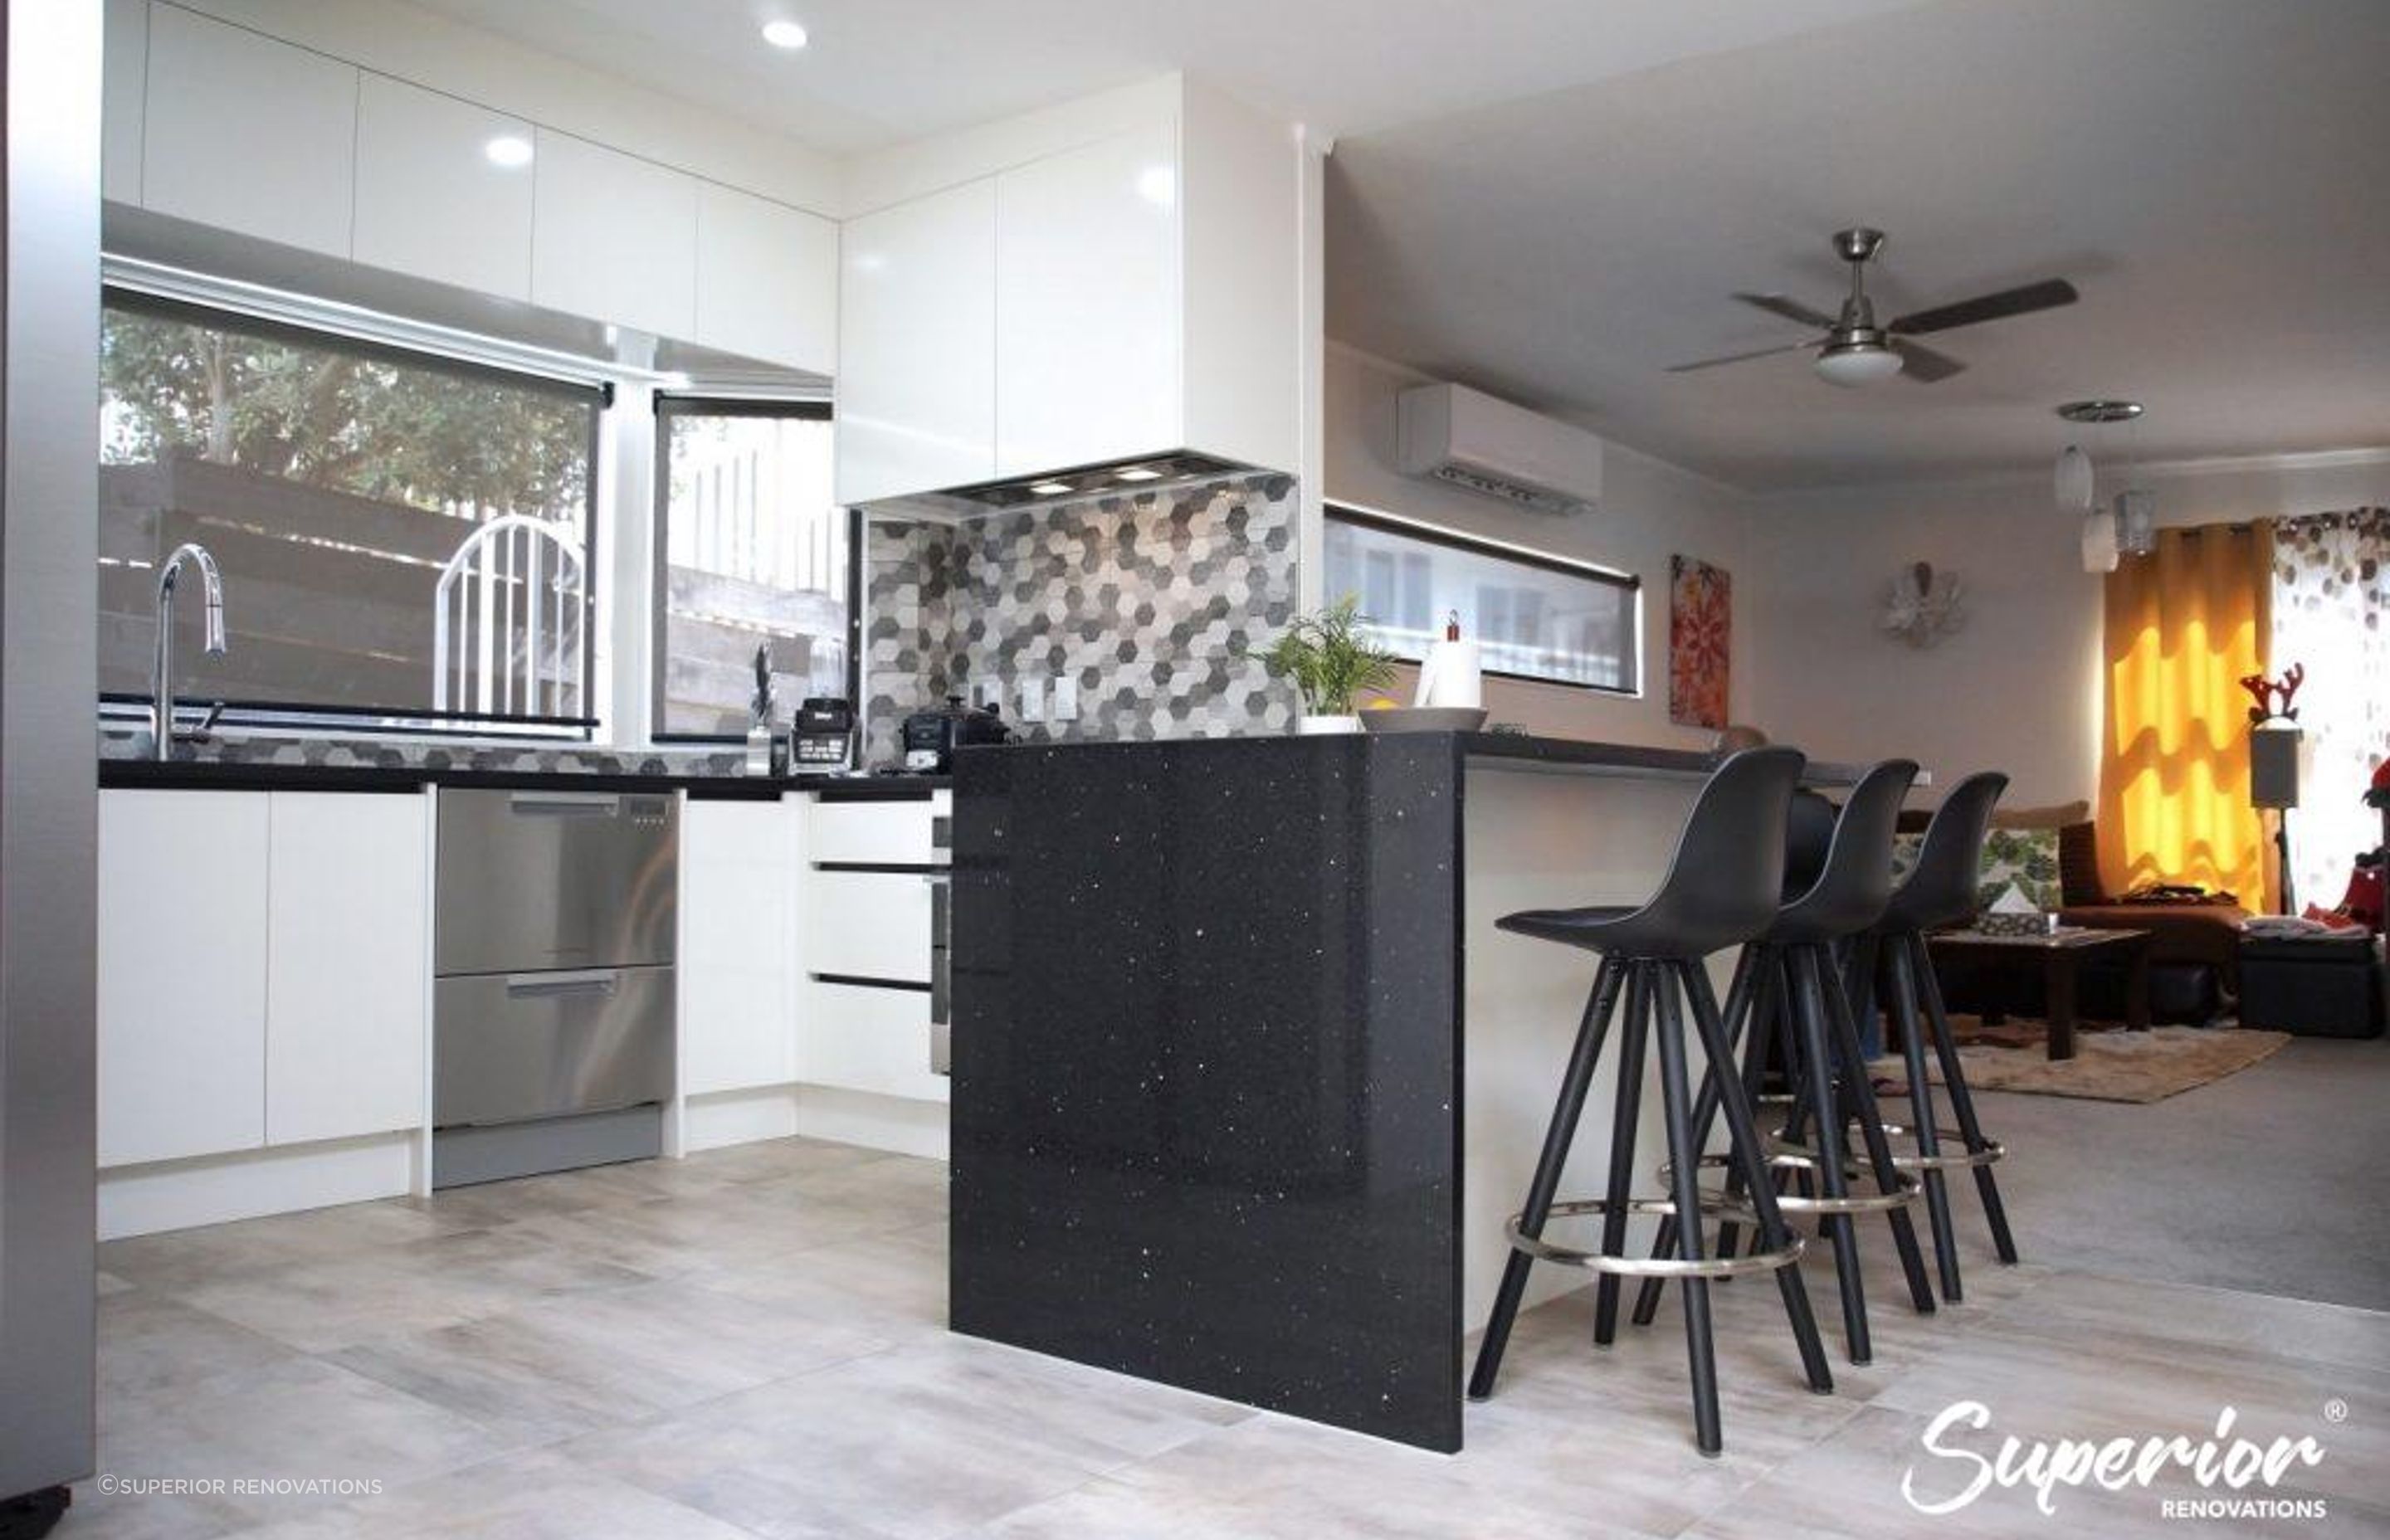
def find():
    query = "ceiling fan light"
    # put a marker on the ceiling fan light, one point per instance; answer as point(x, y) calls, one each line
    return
point(2075, 480)
point(1856, 364)
point(2099, 542)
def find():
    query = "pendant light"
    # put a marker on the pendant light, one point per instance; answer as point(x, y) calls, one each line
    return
point(2074, 479)
point(2099, 541)
point(2103, 536)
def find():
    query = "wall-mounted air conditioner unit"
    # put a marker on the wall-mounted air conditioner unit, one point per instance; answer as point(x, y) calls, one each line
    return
point(1472, 440)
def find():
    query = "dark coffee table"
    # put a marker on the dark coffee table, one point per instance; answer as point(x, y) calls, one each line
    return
point(2061, 956)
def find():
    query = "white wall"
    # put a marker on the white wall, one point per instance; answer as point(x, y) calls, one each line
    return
point(1650, 510)
point(2019, 688)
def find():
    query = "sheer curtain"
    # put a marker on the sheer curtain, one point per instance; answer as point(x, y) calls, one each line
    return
point(2183, 625)
point(2332, 617)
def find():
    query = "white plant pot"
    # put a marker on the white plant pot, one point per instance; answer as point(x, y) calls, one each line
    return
point(1309, 725)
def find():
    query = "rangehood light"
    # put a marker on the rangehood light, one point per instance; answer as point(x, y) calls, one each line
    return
point(784, 34)
point(1136, 473)
point(509, 150)
point(1050, 489)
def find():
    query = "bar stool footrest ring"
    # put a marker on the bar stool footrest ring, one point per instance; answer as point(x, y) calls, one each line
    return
point(1713, 1204)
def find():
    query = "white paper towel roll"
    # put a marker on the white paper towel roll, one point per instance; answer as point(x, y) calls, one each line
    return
point(1450, 676)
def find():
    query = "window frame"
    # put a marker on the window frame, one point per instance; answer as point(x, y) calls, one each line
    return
point(304, 718)
point(697, 403)
point(1332, 512)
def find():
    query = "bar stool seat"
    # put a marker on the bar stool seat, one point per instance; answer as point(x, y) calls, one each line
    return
point(1721, 890)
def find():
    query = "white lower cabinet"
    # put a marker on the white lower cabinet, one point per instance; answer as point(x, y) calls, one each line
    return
point(859, 1037)
point(740, 871)
point(181, 974)
point(348, 976)
point(872, 924)
point(262, 974)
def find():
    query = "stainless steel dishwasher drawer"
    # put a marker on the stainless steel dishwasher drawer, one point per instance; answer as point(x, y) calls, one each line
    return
point(507, 1046)
point(554, 878)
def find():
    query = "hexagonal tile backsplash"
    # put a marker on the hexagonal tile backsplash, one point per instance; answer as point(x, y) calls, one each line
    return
point(1149, 600)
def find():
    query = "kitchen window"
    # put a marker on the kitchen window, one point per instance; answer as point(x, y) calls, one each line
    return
point(754, 551)
point(406, 539)
point(1538, 617)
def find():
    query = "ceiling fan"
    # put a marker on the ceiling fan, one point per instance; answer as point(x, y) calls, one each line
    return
point(1855, 351)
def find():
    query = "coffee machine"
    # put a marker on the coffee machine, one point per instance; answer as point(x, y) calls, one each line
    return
point(823, 737)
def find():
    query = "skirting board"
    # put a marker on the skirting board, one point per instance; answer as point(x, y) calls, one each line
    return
point(894, 1124)
point(175, 1195)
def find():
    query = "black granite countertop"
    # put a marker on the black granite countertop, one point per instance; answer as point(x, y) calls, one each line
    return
point(633, 775)
point(1506, 751)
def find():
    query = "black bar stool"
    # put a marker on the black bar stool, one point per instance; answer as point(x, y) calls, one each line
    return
point(1721, 890)
point(1788, 981)
point(1941, 890)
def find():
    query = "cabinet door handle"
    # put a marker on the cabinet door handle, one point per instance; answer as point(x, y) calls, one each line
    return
point(594, 981)
point(941, 988)
point(941, 912)
point(564, 804)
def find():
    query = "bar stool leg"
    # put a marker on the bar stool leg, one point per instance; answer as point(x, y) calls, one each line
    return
point(1684, 1159)
point(1818, 1083)
point(1962, 1100)
point(1765, 1003)
point(1622, 1149)
point(1706, 1106)
point(1900, 969)
point(1879, 1148)
point(1566, 1114)
point(1743, 1135)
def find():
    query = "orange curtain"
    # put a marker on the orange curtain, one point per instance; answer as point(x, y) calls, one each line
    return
point(2184, 625)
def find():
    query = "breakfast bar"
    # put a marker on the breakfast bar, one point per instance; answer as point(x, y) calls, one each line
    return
point(1245, 1081)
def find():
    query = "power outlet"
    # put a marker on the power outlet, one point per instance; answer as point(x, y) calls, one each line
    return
point(1032, 700)
point(1066, 697)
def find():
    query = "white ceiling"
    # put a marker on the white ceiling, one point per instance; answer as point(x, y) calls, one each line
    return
point(882, 71)
point(2213, 174)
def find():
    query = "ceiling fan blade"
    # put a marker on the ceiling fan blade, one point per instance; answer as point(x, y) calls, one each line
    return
point(1790, 308)
point(2045, 295)
point(1738, 357)
point(1921, 364)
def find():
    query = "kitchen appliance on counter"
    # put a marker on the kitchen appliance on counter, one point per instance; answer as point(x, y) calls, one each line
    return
point(930, 738)
point(824, 735)
point(553, 945)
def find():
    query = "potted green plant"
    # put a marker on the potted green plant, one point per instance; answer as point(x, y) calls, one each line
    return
point(1330, 660)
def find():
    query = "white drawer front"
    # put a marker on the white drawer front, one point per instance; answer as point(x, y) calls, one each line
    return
point(881, 833)
point(871, 925)
point(859, 1038)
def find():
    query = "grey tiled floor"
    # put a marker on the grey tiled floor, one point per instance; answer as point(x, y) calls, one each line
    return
point(750, 1343)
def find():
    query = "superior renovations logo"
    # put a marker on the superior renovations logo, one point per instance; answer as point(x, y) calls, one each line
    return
point(2227, 1459)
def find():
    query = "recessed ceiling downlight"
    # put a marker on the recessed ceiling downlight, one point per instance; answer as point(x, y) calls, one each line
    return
point(509, 150)
point(784, 34)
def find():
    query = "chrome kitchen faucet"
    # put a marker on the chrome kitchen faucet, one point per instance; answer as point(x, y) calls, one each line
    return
point(161, 667)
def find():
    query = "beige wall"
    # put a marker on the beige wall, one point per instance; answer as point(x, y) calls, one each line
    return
point(2018, 690)
point(1650, 510)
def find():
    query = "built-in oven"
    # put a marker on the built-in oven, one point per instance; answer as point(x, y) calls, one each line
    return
point(553, 1028)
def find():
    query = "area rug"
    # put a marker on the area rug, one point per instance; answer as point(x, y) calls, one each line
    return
point(2107, 1066)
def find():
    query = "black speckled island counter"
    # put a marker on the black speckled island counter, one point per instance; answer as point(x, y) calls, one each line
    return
point(1213, 1000)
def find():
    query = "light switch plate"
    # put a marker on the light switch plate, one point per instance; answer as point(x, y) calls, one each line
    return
point(1066, 699)
point(987, 692)
point(1032, 700)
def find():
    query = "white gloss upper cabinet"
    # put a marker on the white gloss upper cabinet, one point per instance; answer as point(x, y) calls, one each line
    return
point(124, 71)
point(766, 281)
point(247, 134)
point(430, 199)
point(348, 1017)
point(739, 872)
point(182, 973)
point(614, 237)
point(917, 345)
point(1086, 308)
